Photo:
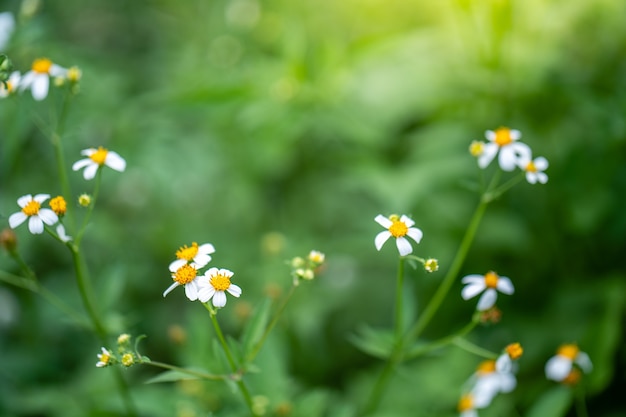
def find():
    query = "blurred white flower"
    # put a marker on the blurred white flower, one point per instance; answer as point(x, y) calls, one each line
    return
point(38, 78)
point(11, 85)
point(559, 367)
point(398, 227)
point(31, 210)
point(199, 255)
point(534, 170)
point(103, 358)
point(489, 283)
point(503, 140)
point(214, 284)
point(96, 158)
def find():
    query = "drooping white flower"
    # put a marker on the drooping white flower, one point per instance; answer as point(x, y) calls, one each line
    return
point(96, 158)
point(38, 78)
point(398, 227)
point(490, 283)
point(200, 255)
point(559, 367)
point(535, 170)
point(503, 141)
point(187, 276)
point(31, 210)
point(62, 235)
point(12, 84)
point(214, 284)
point(7, 25)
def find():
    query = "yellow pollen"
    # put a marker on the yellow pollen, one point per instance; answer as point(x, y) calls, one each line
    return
point(187, 253)
point(99, 156)
point(58, 205)
point(476, 148)
point(503, 136)
point(569, 351)
point(185, 274)
point(514, 350)
point(9, 86)
point(530, 167)
point(486, 367)
point(465, 403)
point(398, 228)
point(42, 66)
point(31, 208)
point(491, 279)
point(220, 282)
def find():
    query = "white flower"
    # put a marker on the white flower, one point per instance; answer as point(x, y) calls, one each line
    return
point(490, 282)
point(200, 255)
point(559, 366)
point(103, 358)
point(97, 158)
point(62, 235)
point(214, 284)
point(186, 275)
point(11, 84)
point(7, 24)
point(31, 210)
point(505, 141)
point(398, 227)
point(38, 78)
point(505, 362)
point(534, 170)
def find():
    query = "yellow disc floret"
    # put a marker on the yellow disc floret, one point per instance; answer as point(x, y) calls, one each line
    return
point(465, 403)
point(31, 208)
point(569, 351)
point(99, 156)
point(187, 253)
point(127, 359)
point(220, 282)
point(185, 274)
point(42, 65)
point(476, 148)
point(486, 367)
point(514, 350)
point(398, 228)
point(503, 136)
point(530, 167)
point(58, 205)
point(491, 279)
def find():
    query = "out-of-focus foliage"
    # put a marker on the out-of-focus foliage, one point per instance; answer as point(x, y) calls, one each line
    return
point(270, 128)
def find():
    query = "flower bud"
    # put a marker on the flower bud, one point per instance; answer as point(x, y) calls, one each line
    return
point(8, 240)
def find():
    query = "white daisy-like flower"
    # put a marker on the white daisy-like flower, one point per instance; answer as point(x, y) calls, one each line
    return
point(62, 235)
point(96, 158)
point(485, 384)
point(398, 227)
point(490, 283)
point(103, 358)
point(31, 210)
point(505, 362)
point(535, 170)
point(560, 366)
point(7, 25)
point(187, 276)
point(199, 255)
point(511, 152)
point(38, 78)
point(214, 284)
point(11, 84)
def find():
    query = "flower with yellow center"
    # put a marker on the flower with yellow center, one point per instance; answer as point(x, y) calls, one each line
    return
point(198, 254)
point(490, 283)
point(38, 78)
point(104, 358)
point(128, 359)
point(488, 381)
point(431, 265)
point(316, 257)
point(187, 276)
point(535, 170)
point(96, 158)
point(58, 205)
point(512, 352)
point(11, 85)
point(399, 227)
point(560, 366)
point(31, 210)
point(503, 141)
point(214, 284)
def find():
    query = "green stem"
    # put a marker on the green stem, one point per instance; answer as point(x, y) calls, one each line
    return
point(473, 348)
point(59, 154)
point(94, 197)
point(399, 296)
point(422, 350)
point(581, 405)
point(191, 372)
point(86, 292)
point(231, 360)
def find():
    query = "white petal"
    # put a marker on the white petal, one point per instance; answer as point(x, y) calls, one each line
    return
point(226, 272)
point(507, 158)
point(62, 235)
point(234, 290)
point(88, 152)
point(542, 177)
point(48, 216)
point(90, 172)
point(407, 220)
point(473, 279)
point(191, 290)
point(381, 238)
point(504, 363)
point(170, 288)
point(211, 272)
point(201, 259)
point(541, 163)
point(40, 198)
point(177, 264)
point(206, 249)
point(115, 161)
point(40, 87)
point(82, 163)
point(57, 71)
point(515, 134)
point(35, 225)
point(404, 246)
point(558, 367)
point(489, 152)
point(472, 290)
point(219, 299)
point(490, 135)
point(205, 293)
point(505, 286)
point(383, 221)
point(583, 360)
point(415, 234)
point(27, 80)
point(487, 300)
point(531, 177)
point(507, 382)
point(23, 200)
point(16, 219)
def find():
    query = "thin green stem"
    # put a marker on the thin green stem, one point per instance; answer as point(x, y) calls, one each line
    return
point(399, 295)
point(191, 372)
point(437, 344)
point(581, 404)
point(60, 155)
point(86, 292)
point(473, 348)
point(94, 197)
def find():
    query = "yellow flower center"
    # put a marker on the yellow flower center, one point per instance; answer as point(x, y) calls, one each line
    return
point(431, 265)
point(187, 253)
point(58, 205)
point(127, 359)
point(514, 350)
point(316, 257)
point(31, 208)
point(397, 228)
point(104, 358)
point(220, 282)
point(486, 367)
point(185, 274)
point(465, 403)
point(42, 66)
point(503, 136)
point(530, 167)
point(99, 156)
point(491, 279)
point(476, 148)
point(74, 74)
point(569, 351)
point(9, 86)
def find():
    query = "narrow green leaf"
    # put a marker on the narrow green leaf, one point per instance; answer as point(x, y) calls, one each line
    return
point(253, 332)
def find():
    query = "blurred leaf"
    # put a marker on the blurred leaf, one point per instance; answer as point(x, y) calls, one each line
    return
point(255, 327)
point(553, 403)
point(378, 343)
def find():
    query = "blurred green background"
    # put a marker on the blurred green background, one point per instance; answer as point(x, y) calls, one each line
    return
point(270, 128)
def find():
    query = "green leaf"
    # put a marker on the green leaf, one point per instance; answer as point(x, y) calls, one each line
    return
point(170, 376)
point(253, 332)
point(554, 403)
point(378, 343)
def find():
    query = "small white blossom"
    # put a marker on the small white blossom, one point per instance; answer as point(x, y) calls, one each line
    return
point(489, 283)
point(504, 141)
point(200, 255)
point(96, 158)
point(535, 170)
point(38, 78)
point(559, 366)
point(103, 358)
point(398, 227)
point(187, 276)
point(214, 284)
point(31, 210)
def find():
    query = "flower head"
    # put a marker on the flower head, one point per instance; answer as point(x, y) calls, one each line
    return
point(31, 210)
point(96, 158)
point(214, 284)
point(398, 227)
point(38, 78)
point(560, 367)
point(503, 141)
point(512, 352)
point(185, 275)
point(128, 359)
point(316, 257)
point(84, 200)
point(11, 86)
point(198, 254)
point(58, 205)
point(490, 283)
point(104, 358)
point(535, 170)
point(431, 265)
